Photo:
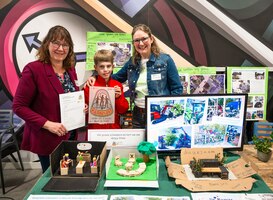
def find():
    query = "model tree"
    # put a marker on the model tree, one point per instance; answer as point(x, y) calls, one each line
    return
point(146, 148)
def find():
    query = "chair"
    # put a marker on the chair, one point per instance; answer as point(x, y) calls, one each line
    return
point(262, 129)
point(8, 141)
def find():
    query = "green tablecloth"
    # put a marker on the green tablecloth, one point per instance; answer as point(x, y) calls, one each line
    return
point(167, 186)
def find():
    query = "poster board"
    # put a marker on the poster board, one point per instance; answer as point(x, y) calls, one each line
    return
point(101, 105)
point(254, 82)
point(119, 43)
point(202, 80)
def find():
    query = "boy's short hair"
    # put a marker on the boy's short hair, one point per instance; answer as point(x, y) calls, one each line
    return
point(103, 55)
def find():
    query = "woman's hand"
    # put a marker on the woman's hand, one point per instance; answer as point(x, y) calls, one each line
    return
point(117, 91)
point(55, 128)
point(90, 81)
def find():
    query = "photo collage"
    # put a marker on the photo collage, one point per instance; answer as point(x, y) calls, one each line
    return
point(196, 121)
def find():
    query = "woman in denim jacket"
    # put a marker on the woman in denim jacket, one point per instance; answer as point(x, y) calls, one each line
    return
point(149, 72)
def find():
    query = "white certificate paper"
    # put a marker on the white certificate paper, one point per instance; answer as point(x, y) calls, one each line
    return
point(72, 110)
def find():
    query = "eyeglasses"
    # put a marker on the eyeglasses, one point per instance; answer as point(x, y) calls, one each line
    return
point(144, 39)
point(56, 45)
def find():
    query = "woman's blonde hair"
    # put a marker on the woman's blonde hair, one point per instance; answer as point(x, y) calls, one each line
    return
point(154, 46)
point(57, 33)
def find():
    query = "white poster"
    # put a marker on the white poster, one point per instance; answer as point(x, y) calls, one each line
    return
point(230, 196)
point(101, 105)
point(117, 137)
point(144, 197)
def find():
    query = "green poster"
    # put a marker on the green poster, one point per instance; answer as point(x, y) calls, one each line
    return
point(119, 43)
point(254, 82)
point(201, 80)
point(196, 70)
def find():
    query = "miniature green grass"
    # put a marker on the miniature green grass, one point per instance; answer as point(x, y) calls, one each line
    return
point(149, 174)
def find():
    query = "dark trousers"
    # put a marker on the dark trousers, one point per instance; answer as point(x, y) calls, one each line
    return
point(45, 163)
point(139, 118)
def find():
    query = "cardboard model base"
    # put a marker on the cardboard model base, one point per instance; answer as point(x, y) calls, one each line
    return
point(241, 170)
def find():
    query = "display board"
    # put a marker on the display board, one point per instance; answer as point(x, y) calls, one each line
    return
point(119, 43)
point(201, 80)
point(212, 120)
point(254, 82)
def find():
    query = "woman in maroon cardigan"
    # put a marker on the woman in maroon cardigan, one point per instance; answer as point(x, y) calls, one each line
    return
point(37, 96)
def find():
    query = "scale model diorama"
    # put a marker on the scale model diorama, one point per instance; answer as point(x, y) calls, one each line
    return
point(205, 169)
point(76, 166)
point(83, 160)
point(129, 166)
point(209, 167)
point(132, 167)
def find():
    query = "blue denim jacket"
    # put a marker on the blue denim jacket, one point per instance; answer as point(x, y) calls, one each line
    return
point(162, 76)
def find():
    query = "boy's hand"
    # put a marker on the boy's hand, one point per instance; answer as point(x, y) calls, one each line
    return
point(85, 110)
point(90, 81)
point(117, 91)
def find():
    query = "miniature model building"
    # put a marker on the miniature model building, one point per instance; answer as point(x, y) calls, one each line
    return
point(208, 167)
point(83, 160)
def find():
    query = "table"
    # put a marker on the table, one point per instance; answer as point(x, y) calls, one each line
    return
point(167, 186)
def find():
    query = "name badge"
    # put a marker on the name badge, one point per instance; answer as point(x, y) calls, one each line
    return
point(156, 77)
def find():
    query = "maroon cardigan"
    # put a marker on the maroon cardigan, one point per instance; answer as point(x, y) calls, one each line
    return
point(36, 101)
